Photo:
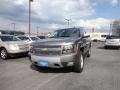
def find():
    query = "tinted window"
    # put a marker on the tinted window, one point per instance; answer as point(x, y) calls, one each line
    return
point(23, 38)
point(41, 37)
point(8, 38)
point(34, 38)
point(66, 33)
point(113, 37)
point(103, 35)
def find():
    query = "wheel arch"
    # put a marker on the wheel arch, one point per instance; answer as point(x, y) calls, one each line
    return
point(2, 48)
point(80, 48)
point(79, 45)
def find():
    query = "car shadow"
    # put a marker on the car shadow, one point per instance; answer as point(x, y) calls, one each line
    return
point(100, 47)
point(51, 70)
point(18, 57)
point(110, 48)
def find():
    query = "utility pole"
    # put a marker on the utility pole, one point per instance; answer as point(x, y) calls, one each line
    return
point(68, 21)
point(111, 26)
point(37, 30)
point(30, 17)
point(14, 25)
point(93, 29)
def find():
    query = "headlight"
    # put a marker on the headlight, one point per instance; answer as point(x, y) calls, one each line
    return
point(68, 49)
point(13, 47)
point(31, 49)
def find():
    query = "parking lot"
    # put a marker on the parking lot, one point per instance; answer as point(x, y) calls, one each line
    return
point(101, 72)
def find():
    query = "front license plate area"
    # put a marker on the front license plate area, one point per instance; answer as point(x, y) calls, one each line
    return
point(43, 63)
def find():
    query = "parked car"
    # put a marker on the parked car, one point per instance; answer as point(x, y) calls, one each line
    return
point(10, 46)
point(66, 47)
point(28, 39)
point(112, 41)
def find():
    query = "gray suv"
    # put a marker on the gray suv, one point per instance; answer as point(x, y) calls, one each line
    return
point(66, 47)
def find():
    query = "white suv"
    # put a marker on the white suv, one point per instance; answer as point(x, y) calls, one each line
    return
point(112, 41)
point(11, 46)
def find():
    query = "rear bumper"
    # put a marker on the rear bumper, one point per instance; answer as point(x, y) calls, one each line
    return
point(112, 45)
point(54, 62)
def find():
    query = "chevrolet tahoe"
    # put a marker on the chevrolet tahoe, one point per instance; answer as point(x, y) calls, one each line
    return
point(65, 47)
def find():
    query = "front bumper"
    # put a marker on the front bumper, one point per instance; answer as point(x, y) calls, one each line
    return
point(13, 53)
point(18, 51)
point(18, 54)
point(54, 61)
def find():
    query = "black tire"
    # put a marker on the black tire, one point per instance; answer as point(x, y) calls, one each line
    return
point(79, 63)
point(3, 54)
point(106, 47)
point(117, 48)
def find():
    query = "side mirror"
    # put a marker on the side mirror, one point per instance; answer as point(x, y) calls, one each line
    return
point(27, 40)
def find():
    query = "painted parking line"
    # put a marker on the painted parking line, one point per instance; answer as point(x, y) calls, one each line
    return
point(47, 81)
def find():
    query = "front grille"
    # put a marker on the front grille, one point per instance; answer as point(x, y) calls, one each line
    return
point(45, 46)
point(51, 51)
point(24, 47)
point(47, 53)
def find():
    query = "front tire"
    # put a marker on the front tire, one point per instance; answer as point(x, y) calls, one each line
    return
point(89, 53)
point(3, 54)
point(79, 63)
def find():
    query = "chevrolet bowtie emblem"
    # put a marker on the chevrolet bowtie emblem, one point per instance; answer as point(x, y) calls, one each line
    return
point(43, 49)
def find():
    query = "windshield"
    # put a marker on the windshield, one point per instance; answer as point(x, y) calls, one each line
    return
point(9, 38)
point(23, 38)
point(113, 37)
point(34, 38)
point(65, 33)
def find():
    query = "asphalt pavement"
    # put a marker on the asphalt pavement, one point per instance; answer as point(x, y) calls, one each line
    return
point(101, 72)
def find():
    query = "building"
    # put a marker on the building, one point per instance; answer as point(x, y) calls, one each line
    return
point(115, 26)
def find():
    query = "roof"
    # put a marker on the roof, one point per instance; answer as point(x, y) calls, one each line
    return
point(6, 35)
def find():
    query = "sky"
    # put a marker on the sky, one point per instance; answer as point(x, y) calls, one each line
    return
point(50, 15)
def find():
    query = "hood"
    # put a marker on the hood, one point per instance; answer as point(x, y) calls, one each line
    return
point(16, 42)
point(55, 41)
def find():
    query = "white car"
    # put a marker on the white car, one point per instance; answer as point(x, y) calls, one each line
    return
point(11, 46)
point(103, 37)
point(112, 41)
point(28, 39)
